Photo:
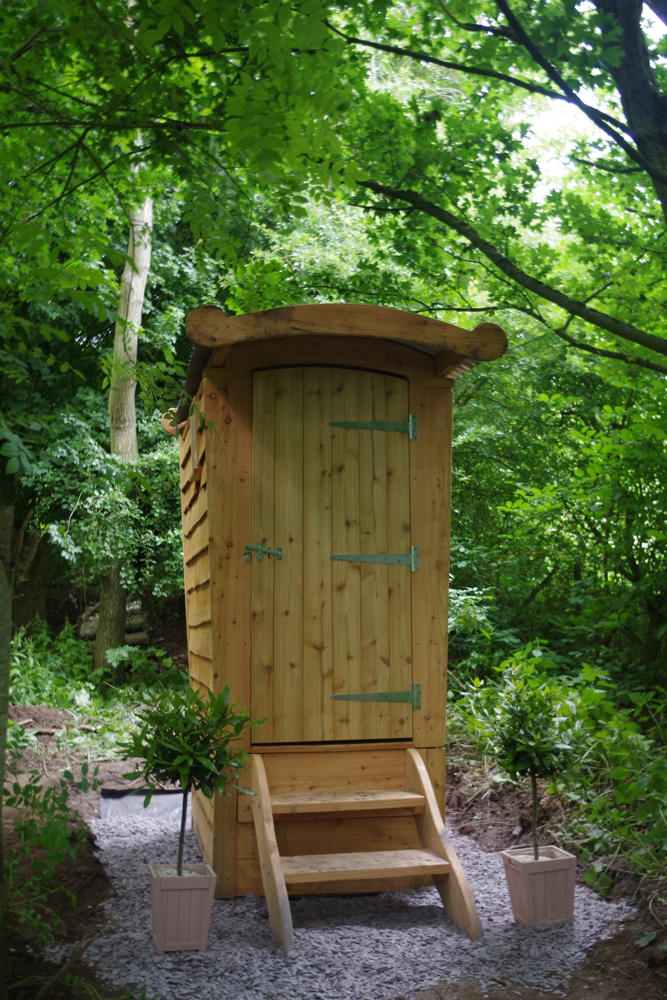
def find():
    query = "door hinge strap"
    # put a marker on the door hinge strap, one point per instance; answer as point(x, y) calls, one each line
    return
point(408, 426)
point(260, 550)
point(410, 558)
point(411, 697)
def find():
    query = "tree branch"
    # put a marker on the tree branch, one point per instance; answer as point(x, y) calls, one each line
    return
point(609, 167)
point(603, 321)
point(614, 355)
point(659, 8)
point(598, 118)
point(487, 29)
point(532, 88)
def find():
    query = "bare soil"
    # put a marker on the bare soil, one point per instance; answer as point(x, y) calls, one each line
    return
point(495, 816)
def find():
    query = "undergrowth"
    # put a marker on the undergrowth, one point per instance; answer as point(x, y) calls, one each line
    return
point(614, 790)
point(58, 671)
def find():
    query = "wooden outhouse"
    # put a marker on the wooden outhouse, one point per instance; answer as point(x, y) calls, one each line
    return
point(315, 484)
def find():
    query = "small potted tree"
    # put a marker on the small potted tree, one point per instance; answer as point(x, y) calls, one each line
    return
point(185, 739)
point(525, 730)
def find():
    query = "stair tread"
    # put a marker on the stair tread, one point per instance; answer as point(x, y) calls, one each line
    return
point(346, 799)
point(304, 868)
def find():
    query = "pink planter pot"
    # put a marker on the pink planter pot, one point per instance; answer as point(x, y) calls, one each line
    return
point(181, 907)
point(541, 892)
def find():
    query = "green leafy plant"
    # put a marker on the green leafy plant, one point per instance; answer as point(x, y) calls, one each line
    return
point(185, 738)
point(525, 728)
point(144, 665)
point(47, 834)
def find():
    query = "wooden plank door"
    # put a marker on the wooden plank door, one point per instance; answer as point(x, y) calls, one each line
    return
point(322, 628)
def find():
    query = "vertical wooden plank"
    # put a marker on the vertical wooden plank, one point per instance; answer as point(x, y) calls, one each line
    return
point(430, 503)
point(288, 573)
point(263, 530)
point(345, 539)
point(375, 665)
point(226, 405)
point(399, 539)
point(317, 583)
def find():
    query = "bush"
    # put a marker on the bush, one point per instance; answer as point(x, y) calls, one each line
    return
point(58, 671)
point(616, 785)
point(54, 671)
point(47, 833)
point(524, 728)
point(185, 739)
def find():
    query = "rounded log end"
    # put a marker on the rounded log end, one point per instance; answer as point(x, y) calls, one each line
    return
point(493, 341)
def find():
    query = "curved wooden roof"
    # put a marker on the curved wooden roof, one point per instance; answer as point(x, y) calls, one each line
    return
point(208, 326)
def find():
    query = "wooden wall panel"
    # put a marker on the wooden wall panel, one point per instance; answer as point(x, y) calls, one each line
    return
point(198, 604)
point(263, 574)
point(287, 574)
point(317, 584)
point(198, 572)
point(200, 641)
point(195, 509)
point(374, 577)
point(430, 505)
point(345, 538)
point(226, 403)
point(196, 540)
point(201, 672)
point(400, 537)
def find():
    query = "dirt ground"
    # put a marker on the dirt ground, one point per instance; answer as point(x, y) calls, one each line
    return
point(496, 817)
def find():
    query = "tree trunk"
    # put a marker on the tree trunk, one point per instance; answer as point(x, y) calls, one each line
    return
point(122, 411)
point(6, 574)
point(111, 625)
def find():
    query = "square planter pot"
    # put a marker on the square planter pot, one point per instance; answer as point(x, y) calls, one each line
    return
point(541, 892)
point(181, 906)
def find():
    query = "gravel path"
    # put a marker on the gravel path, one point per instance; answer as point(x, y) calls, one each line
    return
point(345, 948)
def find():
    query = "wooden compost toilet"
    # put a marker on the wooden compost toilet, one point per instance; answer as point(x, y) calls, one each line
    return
point(315, 483)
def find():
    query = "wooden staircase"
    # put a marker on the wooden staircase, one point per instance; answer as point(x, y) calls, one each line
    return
point(433, 857)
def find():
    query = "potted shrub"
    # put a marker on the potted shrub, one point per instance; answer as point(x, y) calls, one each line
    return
point(185, 739)
point(524, 729)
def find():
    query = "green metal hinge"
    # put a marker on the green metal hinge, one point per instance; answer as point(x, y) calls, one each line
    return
point(412, 697)
point(410, 558)
point(261, 551)
point(408, 426)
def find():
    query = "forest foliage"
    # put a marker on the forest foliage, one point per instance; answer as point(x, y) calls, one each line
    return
point(487, 159)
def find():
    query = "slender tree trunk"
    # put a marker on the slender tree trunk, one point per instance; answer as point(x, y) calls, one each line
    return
point(6, 580)
point(181, 834)
point(122, 411)
point(534, 812)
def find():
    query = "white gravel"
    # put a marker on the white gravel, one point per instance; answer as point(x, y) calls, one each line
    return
point(345, 947)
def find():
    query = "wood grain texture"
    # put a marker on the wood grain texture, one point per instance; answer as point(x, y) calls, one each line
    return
point(345, 537)
point(275, 893)
point(263, 530)
point(210, 327)
point(306, 868)
point(454, 889)
point(226, 408)
point(430, 487)
point(288, 572)
point(317, 583)
point(356, 800)
point(357, 353)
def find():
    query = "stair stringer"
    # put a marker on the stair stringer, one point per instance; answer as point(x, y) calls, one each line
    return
point(454, 888)
point(273, 879)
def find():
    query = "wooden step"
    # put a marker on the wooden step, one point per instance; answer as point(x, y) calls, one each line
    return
point(350, 800)
point(301, 869)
